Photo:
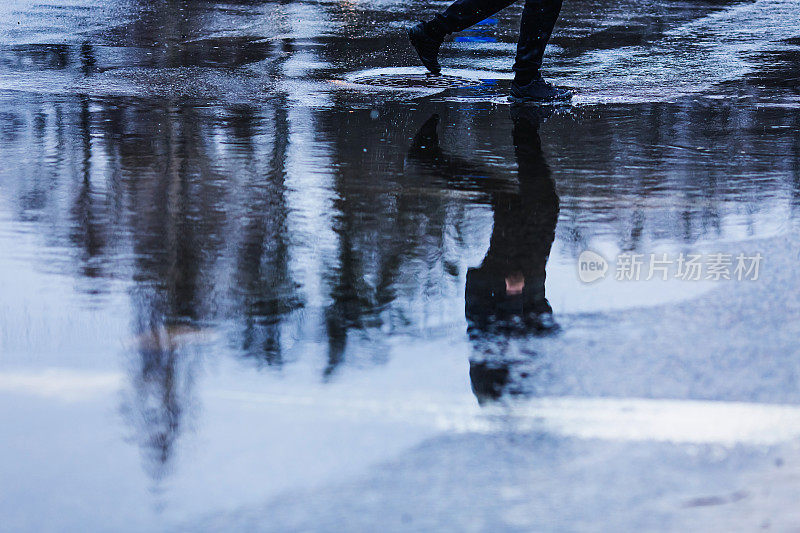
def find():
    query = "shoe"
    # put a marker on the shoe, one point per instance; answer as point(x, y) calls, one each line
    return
point(542, 323)
point(538, 91)
point(427, 47)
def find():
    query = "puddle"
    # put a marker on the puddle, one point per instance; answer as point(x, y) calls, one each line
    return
point(207, 208)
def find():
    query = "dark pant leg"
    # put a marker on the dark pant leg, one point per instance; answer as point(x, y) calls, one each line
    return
point(464, 13)
point(538, 20)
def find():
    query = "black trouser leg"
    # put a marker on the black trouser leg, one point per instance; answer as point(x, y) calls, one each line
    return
point(538, 20)
point(464, 13)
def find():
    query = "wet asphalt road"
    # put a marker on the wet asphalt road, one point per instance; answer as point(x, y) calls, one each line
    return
point(244, 247)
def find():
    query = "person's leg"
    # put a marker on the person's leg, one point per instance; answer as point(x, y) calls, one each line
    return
point(427, 37)
point(462, 14)
point(538, 20)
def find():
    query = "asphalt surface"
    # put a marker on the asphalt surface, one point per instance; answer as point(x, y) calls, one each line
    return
point(237, 244)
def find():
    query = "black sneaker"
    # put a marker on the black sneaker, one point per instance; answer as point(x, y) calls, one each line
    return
point(538, 91)
point(427, 47)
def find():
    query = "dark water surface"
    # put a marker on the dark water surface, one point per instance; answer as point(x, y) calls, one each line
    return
point(229, 269)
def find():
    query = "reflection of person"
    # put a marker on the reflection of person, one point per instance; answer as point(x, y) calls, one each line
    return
point(538, 19)
point(505, 295)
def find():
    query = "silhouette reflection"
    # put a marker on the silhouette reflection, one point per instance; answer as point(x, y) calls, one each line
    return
point(505, 294)
point(162, 383)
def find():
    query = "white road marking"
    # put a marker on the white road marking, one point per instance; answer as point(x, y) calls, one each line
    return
point(60, 383)
point(623, 419)
point(617, 419)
